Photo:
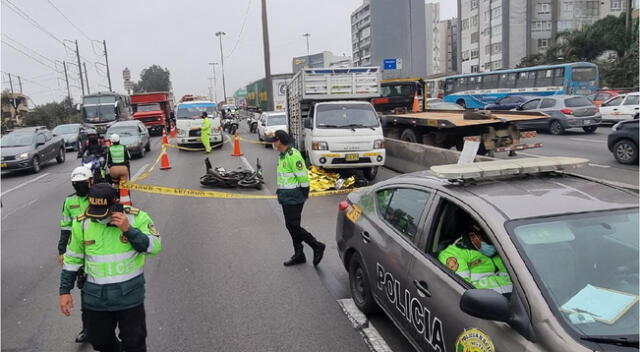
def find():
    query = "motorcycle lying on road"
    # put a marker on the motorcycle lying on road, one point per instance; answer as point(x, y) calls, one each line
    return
point(241, 178)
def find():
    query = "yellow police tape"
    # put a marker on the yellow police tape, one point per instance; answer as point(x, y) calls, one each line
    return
point(227, 140)
point(196, 193)
point(155, 163)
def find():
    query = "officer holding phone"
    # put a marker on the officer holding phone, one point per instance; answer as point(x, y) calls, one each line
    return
point(111, 243)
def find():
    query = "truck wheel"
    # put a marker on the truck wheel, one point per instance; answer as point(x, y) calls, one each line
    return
point(61, 156)
point(462, 103)
point(360, 286)
point(409, 135)
point(370, 173)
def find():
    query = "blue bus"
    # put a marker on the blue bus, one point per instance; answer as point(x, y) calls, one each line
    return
point(476, 90)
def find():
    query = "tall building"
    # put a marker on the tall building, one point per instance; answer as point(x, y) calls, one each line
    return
point(385, 29)
point(433, 33)
point(447, 42)
point(322, 59)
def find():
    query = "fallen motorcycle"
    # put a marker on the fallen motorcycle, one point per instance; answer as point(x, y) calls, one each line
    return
point(241, 178)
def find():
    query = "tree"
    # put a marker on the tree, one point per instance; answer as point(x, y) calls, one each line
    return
point(153, 79)
point(53, 114)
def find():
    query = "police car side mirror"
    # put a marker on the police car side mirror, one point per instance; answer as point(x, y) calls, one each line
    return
point(485, 304)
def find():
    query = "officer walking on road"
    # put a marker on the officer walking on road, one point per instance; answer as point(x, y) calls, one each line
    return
point(205, 132)
point(293, 191)
point(111, 243)
point(74, 206)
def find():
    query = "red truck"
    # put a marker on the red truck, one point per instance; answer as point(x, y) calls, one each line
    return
point(152, 109)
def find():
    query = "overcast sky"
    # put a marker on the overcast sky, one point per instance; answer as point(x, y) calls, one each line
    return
point(178, 35)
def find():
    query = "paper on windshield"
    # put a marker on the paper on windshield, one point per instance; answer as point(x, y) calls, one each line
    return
point(602, 304)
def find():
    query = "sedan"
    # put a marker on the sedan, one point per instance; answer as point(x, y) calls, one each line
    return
point(560, 240)
point(133, 134)
point(29, 148)
point(508, 102)
point(623, 142)
point(565, 112)
point(72, 134)
point(621, 107)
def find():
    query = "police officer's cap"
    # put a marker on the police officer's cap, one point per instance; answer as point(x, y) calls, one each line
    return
point(204, 114)
point(101, 199)
point(282, 137)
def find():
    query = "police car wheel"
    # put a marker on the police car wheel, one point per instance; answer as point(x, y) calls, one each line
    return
point(359, 285)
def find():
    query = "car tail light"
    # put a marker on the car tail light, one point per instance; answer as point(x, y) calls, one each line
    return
point(343, 205)
point(566, 111)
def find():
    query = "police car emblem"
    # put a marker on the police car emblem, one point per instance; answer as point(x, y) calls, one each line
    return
point(452, 263)
point(474, 340)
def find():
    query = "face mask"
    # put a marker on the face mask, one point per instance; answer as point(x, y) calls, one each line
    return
point(487, 249)
point(82, 188)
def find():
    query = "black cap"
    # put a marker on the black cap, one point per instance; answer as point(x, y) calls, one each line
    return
point(282, 137)
point(204, 114)
point(101, 198)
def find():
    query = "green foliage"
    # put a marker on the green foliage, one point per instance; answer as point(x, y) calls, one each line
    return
point(53, 114)
point(153, 79)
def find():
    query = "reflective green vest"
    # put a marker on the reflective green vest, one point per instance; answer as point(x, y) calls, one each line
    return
point(117, 153)
point(73, 207)
point(292, 178)
point(206, 126)
point(476, 268)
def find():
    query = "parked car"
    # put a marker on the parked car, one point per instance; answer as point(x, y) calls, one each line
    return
point(72, 133)
point(269, 123)
point(623, 141)
point(30, 148)
point(565, 112)
point(508, 102)
point(621, 107)
point(561, 237)
point(600, 96)
point(133, 134)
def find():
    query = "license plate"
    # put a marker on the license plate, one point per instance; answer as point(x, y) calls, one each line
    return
point(354, 213)
point(587, 122)
point(352, 157)
point(3, 165)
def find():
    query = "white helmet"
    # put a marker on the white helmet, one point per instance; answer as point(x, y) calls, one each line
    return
point(81, 173)
point(114, 138)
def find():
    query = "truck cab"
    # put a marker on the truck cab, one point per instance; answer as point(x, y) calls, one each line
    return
point(189, 122)
point(152, 109)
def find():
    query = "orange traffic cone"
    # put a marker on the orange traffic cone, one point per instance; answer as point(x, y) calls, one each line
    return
point(236, 147)
point(164, 163)
point(164, 137)
point(125, 199)
point(173, 133)
point(416, 103)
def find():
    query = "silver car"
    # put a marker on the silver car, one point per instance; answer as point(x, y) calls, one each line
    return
point(133, 134)
point(564, 240)
point(565, 112)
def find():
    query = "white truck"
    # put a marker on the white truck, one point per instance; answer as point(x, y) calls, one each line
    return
point(332, 121)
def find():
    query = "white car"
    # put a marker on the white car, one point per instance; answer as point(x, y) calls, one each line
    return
point(621, 107)
point(270, 122)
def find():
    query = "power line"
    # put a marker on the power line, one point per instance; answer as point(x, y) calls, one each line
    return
point(15, 42)
point(34, 82)
point(244, 22)
point(27, 55)
point(68, 20)
point(29, 19)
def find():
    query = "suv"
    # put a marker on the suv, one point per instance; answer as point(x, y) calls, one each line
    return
point(30, 147)
point(565, 112)
point(623, 142)
point(563, 240)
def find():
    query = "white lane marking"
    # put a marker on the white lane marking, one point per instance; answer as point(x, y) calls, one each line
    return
point(589, 140)
point(24, 184)
point(246, 162)
point(598, 165)
point(527, 154)
point(140, 171)
point(19, 208)
point(371, 336)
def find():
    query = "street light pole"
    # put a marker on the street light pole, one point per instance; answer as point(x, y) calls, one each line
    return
point(224, 88)
point(267, 57)
point(215, 89)
point(307, 35)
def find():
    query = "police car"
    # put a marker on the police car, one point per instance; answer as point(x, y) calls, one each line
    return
point(569, 244)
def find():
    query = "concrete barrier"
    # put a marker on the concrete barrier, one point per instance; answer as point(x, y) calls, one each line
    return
point(408, 157)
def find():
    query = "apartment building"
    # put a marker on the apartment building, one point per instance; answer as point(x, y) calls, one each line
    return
point(434, 35)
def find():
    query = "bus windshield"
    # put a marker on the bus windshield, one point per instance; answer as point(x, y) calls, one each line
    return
point(584, 74)
point(99, 113)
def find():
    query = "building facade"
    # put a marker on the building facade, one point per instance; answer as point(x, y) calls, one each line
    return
point(319, 60)
point(390, 29)
point(14, 108)
point(434, 35)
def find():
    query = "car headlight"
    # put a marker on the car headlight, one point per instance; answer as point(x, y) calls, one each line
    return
point(616, 126)
point(22, 156)
point(320, 146)
point(73, 139)
point(378, 144)
point(182, 132)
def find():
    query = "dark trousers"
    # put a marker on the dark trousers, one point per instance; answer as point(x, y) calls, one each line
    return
point(101, 325)
point(292, 218)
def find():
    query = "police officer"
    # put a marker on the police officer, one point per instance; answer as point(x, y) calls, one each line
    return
point(93, 145)
point(205, 132)
point(293, 191)
point(111, 242)
point(74, 206)
point(475, 259)
point(118, 160)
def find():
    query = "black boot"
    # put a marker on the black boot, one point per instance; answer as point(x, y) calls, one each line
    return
point(318, 252)
point(297, 258)
point(82, 337)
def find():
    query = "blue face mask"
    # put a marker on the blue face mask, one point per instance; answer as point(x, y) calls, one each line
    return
point(487, 249)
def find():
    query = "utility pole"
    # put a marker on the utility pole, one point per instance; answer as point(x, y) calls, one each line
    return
point(267, 56)
point(307, 35)
point(224, 88)
point(66, 79)
point(106, 59)
point(627, 17)
point(20, 84)
point(86, 77)
point(215, 88)
point(79, 67)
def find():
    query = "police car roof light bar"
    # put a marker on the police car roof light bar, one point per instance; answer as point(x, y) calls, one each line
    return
point(489, 169)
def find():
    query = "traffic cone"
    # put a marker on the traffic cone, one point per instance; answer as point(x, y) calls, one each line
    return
point(164, 163)
point(125, 199)
point(236, 147)
point(173, 133)
point(416, 103)
point(164, 137)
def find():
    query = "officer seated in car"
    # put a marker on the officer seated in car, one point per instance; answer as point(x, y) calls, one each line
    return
point(474, 258)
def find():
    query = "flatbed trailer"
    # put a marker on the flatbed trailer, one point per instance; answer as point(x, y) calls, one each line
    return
point(498, 131)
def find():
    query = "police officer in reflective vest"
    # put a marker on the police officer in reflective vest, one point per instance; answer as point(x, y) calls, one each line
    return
point(205, 132)
point(118, 160)
point(111, 243)
point(74, 206)
point(475, 259)
point(293, 190)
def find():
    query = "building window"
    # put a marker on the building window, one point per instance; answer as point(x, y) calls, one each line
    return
point(495, 30)
point(616, 5)
point(543, 9)
point(496, 65)
point(587, 9)
point(568, 8)
point(465, 55)
point(474, 21)
point(475, 37)
point(539, 26)
point(465, 24)
point(474, 4)
point(543, 43)
point(475, 53)
point(496, 13)
point(565, 25)
point(475, 68)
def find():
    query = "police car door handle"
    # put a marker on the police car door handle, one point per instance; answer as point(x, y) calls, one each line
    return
point(365, 236)
point(423, 288)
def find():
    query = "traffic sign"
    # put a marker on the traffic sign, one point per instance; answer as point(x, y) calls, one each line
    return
point(389, 64)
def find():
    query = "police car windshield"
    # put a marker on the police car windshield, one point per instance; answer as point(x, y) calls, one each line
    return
point(587, 267)
point(346, 116)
